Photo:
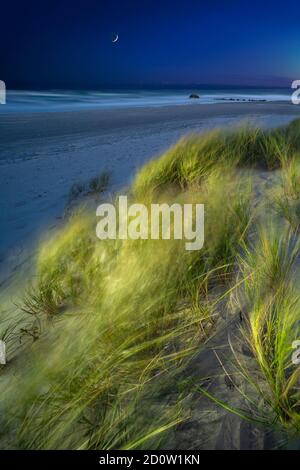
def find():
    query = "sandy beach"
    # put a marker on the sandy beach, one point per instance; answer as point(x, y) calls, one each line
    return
point(150, 230)
point(43, 154)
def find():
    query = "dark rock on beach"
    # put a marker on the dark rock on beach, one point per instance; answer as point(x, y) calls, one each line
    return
point(194, 96)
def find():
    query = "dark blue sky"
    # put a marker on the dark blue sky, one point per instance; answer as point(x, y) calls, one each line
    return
point(67, 44)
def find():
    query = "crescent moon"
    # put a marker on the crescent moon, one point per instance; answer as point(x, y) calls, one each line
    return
point(115, 38)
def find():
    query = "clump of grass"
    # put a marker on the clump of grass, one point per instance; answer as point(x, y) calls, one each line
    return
point(287, 197)
point(273, 308)
point(106, 357)
point(258, 148)
point(76, 190)
point(195, 157)
point(291, 135)
point(96, 185)
point(100, 183)
point(131, 314)
point(61, 276)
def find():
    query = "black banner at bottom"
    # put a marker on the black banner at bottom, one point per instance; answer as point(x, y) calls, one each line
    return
point(136, 459)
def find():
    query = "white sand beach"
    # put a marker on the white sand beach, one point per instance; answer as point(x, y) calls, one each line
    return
point(43, 154)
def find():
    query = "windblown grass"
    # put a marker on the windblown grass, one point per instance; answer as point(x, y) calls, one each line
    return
point(96, 185)
point(119, 320)
point(287, 196)
point(127, 316)
point(195, 157)
point(273, 307)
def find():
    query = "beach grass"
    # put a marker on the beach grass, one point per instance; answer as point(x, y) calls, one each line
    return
point(271, 299)
point(95, 186)
point(286, 197)
point(121, 320)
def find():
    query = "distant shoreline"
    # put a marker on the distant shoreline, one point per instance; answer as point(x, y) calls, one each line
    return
point(39, 101)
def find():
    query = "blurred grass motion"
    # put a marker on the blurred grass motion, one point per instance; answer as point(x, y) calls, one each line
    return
point(116, 322)
point(272, 302)
point(286, 196)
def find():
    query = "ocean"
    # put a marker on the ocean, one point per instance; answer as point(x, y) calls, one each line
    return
point(58, 100)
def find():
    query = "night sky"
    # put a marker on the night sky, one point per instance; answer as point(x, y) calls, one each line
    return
point(67, 44)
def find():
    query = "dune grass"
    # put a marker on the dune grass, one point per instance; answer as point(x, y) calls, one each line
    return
point(96, 185)
point(272, 303)
point(286, 197)
point(120, 320)
point(195, 157)
point(125, 317)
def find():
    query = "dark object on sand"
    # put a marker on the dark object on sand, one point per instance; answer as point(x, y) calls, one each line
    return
point(248, 100)
point(194, 96)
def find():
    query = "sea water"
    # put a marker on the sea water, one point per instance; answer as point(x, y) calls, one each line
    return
point(69, 100)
